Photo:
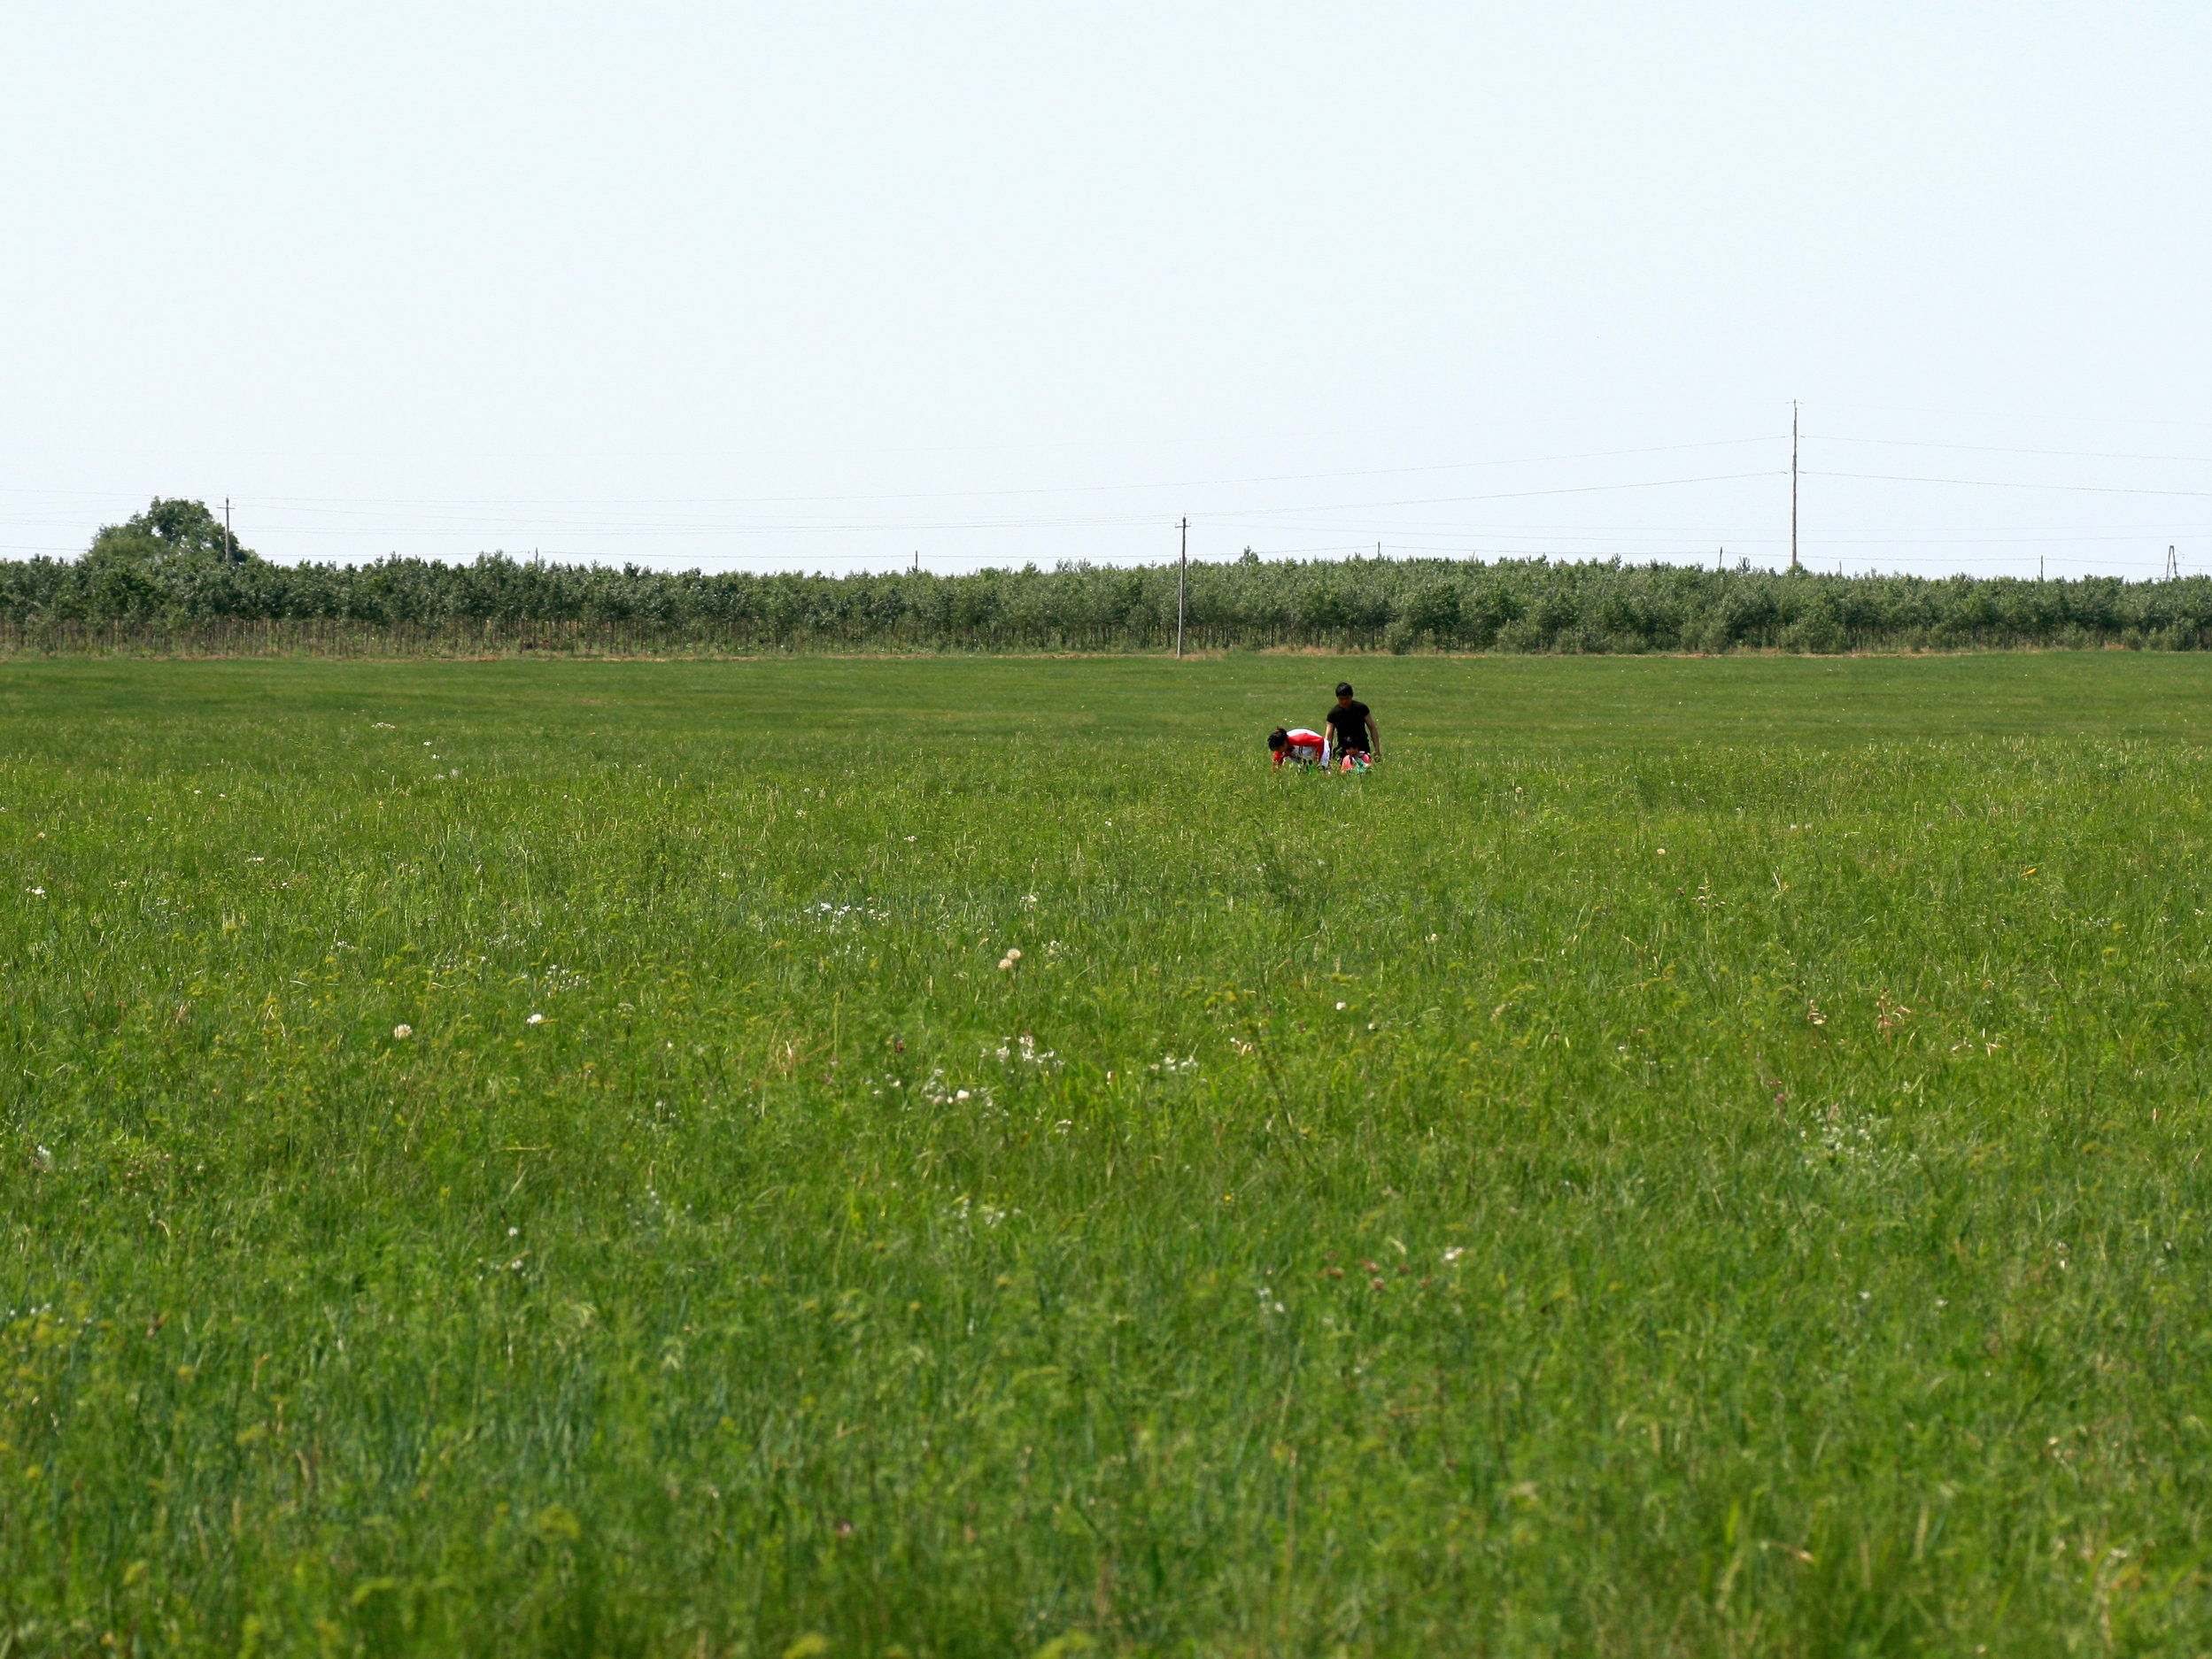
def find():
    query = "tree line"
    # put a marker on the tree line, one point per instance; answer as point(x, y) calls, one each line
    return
point(170, 577)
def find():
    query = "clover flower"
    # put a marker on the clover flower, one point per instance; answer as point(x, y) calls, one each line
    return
point(402, 1032)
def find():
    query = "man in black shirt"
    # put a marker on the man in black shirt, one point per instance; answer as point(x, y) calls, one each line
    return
point(1351, 727)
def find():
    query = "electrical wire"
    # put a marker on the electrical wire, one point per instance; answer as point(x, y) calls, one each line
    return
point(632, 519)
point(314, 503)
point(1987, 448)
point(2003, 483)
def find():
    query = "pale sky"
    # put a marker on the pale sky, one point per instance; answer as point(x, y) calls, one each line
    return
point(822, 287)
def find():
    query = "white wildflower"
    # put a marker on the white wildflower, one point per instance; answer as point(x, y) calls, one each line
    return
point(535, 1019)
point(402, 1032)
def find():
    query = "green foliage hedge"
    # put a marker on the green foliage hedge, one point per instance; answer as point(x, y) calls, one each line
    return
point(168, 577)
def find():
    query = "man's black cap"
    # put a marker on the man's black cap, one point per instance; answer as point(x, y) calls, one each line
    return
point(1344, 689)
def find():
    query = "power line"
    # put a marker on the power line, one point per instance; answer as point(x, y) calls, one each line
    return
point(1353, 520)
point(474, 525)
point(311, 502)
point(1987, 448)
point(2006, 483)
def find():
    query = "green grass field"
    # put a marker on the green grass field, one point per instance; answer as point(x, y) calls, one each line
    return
point(1687, 1157)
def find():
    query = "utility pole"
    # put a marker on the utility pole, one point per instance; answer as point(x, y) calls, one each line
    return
point(230, 541)
point(917, 561)
point(1182, 591)
point(2173, 566)
point(1793, 484)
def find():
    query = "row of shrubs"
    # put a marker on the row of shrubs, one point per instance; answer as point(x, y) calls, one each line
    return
point(168, 572)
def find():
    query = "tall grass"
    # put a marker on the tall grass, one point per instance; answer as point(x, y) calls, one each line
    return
point(1687, 1156)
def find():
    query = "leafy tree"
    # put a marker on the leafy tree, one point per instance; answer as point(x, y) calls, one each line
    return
point(168, 531)
point(1434, 610)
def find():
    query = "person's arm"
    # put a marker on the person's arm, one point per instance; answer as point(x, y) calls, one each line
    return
point(1374, 736)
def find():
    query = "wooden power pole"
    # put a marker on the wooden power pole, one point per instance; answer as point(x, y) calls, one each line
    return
point(1182, 591)
point(1793, 484)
